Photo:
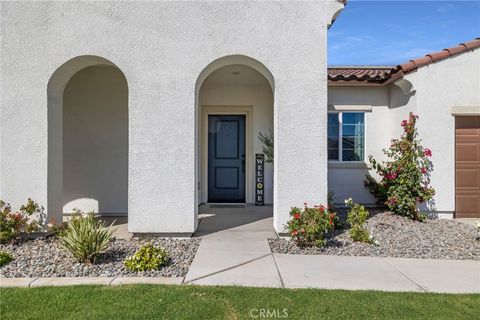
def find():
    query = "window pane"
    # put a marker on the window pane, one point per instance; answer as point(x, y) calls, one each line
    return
point(352, 118)
point(333, 154)
point(349, 129)
point(353, 136)
point(333, 132)
point(348, 142)
point(333, 136)
point(333, 119)
point(333, 143)
point(352, 155)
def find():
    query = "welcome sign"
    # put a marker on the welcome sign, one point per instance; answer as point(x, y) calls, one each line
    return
point(259, 179)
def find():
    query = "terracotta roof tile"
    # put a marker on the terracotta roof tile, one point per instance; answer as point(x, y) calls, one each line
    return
point(383, 75)
point(366, 74)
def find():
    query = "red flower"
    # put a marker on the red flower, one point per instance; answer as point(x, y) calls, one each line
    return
point(427, 152)
point(296, 215)
point(424, 170)
point(404, 123)
point(294, 232)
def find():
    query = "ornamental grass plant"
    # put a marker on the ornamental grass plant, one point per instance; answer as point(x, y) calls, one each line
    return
point(85, 237)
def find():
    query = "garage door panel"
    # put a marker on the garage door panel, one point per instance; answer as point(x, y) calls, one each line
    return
point(467, 167)
point(467, 204)
point(467, 179)
point(467, 152)
point(467, 133)
point(467, 123)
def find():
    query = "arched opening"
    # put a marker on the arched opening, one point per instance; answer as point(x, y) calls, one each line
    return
point(88, 138)
point(234, 104)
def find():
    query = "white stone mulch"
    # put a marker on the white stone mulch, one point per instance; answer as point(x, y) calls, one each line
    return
point(45, 258)
point(398, 237)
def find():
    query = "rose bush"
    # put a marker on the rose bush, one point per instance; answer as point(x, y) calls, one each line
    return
point(309, 225)
point(406, 175)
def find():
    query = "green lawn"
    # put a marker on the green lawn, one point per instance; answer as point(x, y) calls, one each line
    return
point(194, 302)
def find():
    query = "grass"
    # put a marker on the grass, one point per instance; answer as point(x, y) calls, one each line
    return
point(194, 302)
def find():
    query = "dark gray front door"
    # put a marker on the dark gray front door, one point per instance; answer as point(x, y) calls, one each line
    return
point(226, 158)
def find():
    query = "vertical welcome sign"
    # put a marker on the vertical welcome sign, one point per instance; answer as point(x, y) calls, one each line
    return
point(259, 179)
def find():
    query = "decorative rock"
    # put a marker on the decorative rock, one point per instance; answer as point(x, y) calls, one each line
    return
point(397, 237)
point(45, 258)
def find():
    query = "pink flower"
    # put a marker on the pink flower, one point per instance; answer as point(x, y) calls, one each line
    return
point(391, 175)
point(424, 170)
point(404, 123)
point(392, 200)
point(427, 152)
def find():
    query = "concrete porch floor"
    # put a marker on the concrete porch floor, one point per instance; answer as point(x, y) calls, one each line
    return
point(233, 237)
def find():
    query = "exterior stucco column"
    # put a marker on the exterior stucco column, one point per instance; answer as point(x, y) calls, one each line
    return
point(300, 141)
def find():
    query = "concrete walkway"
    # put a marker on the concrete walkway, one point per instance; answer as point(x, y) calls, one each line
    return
point(234, 251)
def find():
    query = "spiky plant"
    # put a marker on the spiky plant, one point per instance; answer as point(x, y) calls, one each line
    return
point(86, 237)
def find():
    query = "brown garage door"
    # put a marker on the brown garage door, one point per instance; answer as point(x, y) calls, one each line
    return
point(467, 167)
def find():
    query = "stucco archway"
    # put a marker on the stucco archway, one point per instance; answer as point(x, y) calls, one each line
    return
point(87, 138)
point(234, 85)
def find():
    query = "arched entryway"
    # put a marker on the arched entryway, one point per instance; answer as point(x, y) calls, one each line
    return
point(88, 138)
point(234, 105)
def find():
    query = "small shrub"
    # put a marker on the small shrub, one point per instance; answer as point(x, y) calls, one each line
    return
point(85, 237)
point(148, 257)
point(309, 225)
point(357, 217)
point(267, 140)
point(28, 219)
point(5, 258)
point(337, 223)
point(406, 175)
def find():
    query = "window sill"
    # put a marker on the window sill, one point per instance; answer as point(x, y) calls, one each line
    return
point(348, 165)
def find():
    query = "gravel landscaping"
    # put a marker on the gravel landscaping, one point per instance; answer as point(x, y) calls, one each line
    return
point(398, 237)
point(44, 258)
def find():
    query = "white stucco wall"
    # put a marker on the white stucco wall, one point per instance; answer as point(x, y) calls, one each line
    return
point(95, 142)
point(161, 48)
point(436, 88)
point(346, 179)
point(439, 87)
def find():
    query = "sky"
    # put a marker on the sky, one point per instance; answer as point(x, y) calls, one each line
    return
point(392, 32)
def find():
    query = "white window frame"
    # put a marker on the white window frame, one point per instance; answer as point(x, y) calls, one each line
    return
point(340, 136)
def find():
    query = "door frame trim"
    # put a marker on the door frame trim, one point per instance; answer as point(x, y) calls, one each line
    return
point(247, 111)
